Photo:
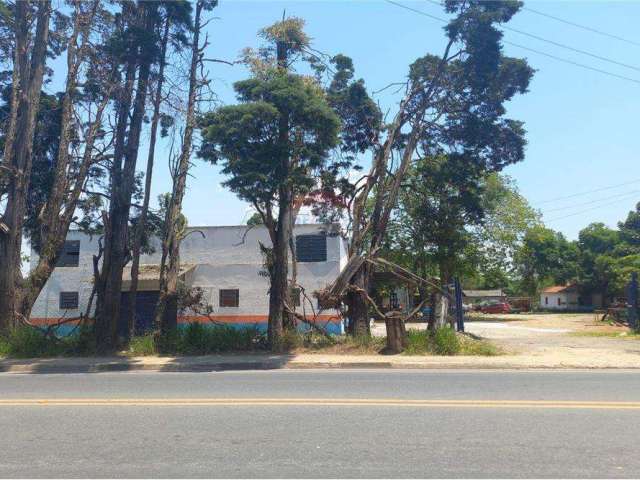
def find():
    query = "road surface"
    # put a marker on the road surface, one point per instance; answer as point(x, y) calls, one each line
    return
point(314, 423)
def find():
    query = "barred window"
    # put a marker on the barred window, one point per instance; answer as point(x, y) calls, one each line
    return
point(68, 300)
point(311, 248)
point(230, 297)
point(70, 254)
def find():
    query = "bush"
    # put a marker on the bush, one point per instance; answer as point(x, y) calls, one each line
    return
point(199, 339)
point(445, 341)
point(25, 342)
point(4, 347)
point(142, 345)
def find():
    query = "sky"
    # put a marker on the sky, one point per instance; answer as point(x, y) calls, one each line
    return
point(581, 162)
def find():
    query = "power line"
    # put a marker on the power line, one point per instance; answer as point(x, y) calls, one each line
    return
point(568, 207)
point(586, 210)
point(601, 189)
point(584, 27)
point(576, 64)
point(560, 59)
point(561, 45)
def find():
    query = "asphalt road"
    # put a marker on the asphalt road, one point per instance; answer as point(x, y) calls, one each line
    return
point(343, 423)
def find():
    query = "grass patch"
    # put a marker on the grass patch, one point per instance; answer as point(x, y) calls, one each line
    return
point(625, 335)
point(142, 346)
point(447, 342)
point(28, 342)
point(199, 339)
point(312, 342)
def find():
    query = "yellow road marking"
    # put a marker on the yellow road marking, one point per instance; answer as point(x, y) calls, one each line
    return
point(325, 402)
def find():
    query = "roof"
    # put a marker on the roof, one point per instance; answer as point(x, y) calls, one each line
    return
point(149, 276)
point(483, 293)
point(559, 289)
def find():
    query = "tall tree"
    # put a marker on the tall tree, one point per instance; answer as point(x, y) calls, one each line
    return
point(170, 264)
point(453, 105)
point(273, 146)
point(76, 152)
point(30, 51)
point(177, 16)
point(139, 50)
point(545, 257)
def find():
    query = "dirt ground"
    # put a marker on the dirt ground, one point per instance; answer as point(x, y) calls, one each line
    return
point(562, 339)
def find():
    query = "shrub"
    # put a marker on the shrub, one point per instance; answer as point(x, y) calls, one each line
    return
point(80, 343)
point(445, 341)
point(417, 342)
point(4, 347)
point(199, 339)
point(25, 342)
point(142, 345)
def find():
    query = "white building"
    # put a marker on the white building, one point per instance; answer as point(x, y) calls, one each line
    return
point(559, 297)
point(226, 262)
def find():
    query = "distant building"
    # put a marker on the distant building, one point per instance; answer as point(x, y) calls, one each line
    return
point(224, 262)
point(476, 296)
point(560, 297)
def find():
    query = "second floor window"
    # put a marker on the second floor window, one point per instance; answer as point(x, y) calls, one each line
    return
point(311, 248)
point(70, 254)
point(230, 297)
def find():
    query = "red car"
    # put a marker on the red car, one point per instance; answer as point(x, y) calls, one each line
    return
point(500, 307)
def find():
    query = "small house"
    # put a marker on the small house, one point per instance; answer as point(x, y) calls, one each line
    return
point(560, 297)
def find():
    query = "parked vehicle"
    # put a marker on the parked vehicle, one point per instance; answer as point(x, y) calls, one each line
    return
point(498, 307)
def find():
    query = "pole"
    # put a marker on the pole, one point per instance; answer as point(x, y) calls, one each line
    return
point(632, 301)
point(459, 312)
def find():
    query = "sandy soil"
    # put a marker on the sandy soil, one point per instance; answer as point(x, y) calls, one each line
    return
point(579, 340)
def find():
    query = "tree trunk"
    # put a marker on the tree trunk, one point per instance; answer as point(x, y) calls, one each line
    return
point(166, 311)
point(358, 307)
point(279, 288)
point(142, 221)
point(25, 102)
point(396, 335)
point(57, 213)
point(122, 187)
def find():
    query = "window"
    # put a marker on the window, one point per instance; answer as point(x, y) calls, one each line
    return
point(230, 297)
point(559, 301)
point(68, 300)
point(295, 297)
point(546, 300)
point(311, 248)
point(70, 254)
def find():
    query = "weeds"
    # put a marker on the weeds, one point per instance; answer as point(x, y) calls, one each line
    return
point(142, 346)
point(629, 335)
point(26, 342)
point(446, 341)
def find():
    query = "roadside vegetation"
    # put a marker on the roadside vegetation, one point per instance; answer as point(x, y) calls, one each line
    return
point(627, 335)
point(198, 339)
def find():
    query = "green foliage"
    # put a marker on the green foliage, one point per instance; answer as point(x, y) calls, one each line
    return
point(27, 342)
point(450, 189)
point(445, 341)
point(142, 346)
point(245, 138)
point(199, 339)
point(630, 230)
point(545, 257)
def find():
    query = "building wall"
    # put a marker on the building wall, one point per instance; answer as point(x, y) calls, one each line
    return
point(225, 257)
point(567, 301)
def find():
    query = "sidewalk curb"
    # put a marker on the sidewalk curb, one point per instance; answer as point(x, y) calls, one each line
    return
point(219, 366)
